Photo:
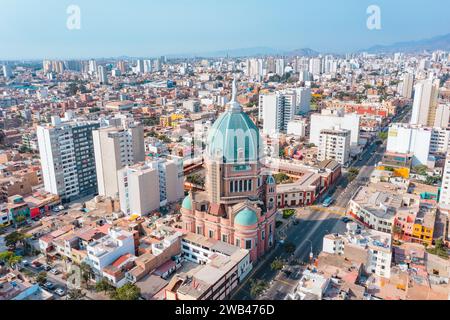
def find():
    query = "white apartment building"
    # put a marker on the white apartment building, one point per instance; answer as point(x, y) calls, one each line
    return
point(407, 85)
point(334, 144)
point(102, 75)
point(118, 145)
point(442, 116)
point(417, 140)
point(444, 198)
point(145, 187)
point(276, 110)
point(330, 118)
point(297, 127)
point(67, 157)
point(425, 102)
point(373, 248)
point(109, 248)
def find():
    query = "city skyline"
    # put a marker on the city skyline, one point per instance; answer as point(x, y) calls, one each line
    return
point(37, 31)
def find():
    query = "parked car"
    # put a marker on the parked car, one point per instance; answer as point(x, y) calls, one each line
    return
point(47, 267)
point(36, 264)
point(49, 285)
point(54, 271)
point(60, 292)
point(25, 263)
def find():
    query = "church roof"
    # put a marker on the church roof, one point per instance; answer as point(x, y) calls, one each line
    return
point(246, 217)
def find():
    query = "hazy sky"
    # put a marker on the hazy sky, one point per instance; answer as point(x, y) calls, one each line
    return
point(37, 28)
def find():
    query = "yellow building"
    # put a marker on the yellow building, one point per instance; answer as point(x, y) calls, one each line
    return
point(423, 228)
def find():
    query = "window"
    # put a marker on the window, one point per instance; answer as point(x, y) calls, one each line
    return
point(211, 233)
point(238, 242)
point(225, 238)
point(248, 244)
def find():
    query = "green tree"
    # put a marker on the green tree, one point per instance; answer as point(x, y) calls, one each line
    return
point(277, 264)
point(104, 285)
point(86, 273)
point(257, 287)
point(420, 169)
point(41, 278)
point(289, 248)
point(15, 238)
point(383, 135)
point(281, 177)
point(127, 292)
point(75, 294)
point(10, 259)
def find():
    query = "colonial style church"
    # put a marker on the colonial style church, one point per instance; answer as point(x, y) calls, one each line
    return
point(239, 203)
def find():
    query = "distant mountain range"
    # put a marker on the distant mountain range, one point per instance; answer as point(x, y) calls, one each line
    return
point(249, 52)
point(432, 44)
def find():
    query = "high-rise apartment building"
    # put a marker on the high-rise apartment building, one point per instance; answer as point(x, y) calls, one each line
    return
point(276, 110)
point(407, 85)
point(330, 118)
point(118, 145)
point(425, 102)
point(145, 187)
point(7, 72)
point(334, 144)
point(102, 75)
point(67, 157)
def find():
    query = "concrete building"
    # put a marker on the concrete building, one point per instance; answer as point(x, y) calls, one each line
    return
point(329, 119)
point(145, 187)
point(102, 75)
point(418, 141)
point(425, 102)
point(297, 127)
point(370, 247)
point(303, 100)
point(106, 250)
point(407, 85)
point(221, 267)
point(334, 144)
point(444, 199)
point(67, 157)
point(116, 146)
point(442, 116)
point(276, 110)
point(192, 106)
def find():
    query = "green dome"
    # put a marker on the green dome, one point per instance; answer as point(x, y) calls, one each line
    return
point(246, 218)
point(235, 138)
point(187, 203)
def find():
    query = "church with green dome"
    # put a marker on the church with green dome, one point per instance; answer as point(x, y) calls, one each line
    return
point(238, 205)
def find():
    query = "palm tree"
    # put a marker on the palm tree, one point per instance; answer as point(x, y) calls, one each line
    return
point(86, 273)
point(75, 294)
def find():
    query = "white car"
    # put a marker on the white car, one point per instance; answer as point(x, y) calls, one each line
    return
point(54, 271)
point(60, 292)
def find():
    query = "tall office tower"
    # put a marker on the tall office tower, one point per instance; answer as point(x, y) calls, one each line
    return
point(329, 119)
point(67, 157)
point(118, 145)
point(157, 65)
point(145, 187)
point(442, 116)
point(239, 204)
point(102, 75)
point(303, 100)
point(140, 66)
point(147, 66)
point(315, 66)
point(277, 109)
point(407, 85)
point(92, 67)
point(47, 66)
point(270, 65)
point(444, 198)
point(7, 72)
point(334, 144)
point(279, 67)
point(122, 66)
point(425, 102)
